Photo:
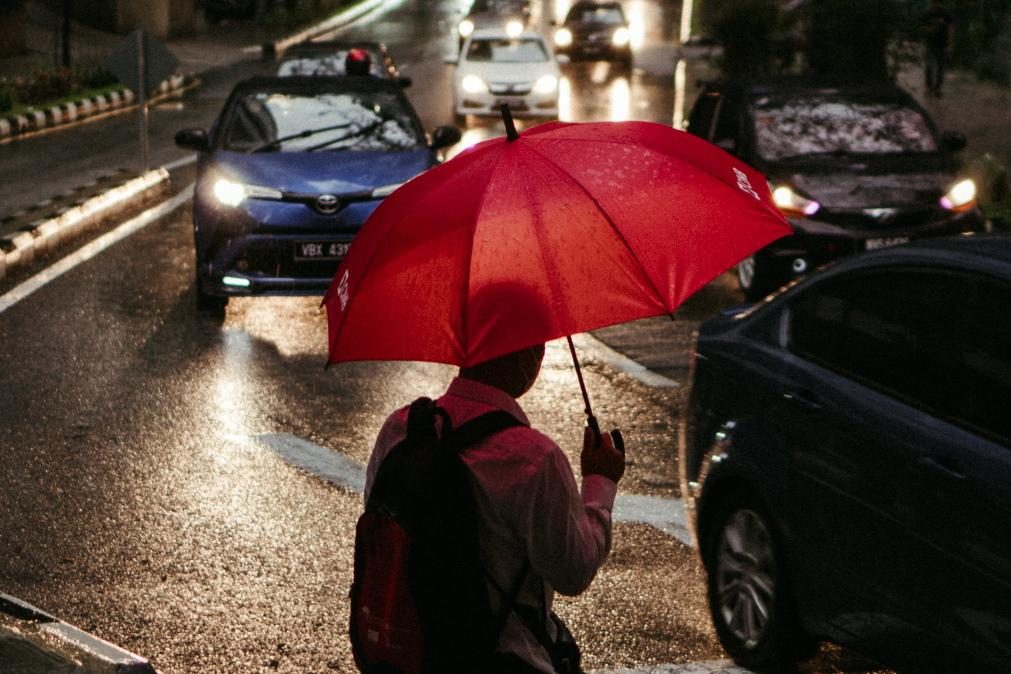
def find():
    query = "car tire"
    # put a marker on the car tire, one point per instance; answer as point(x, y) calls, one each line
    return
point(209, 305)
point(748, 588)
point(754, 278)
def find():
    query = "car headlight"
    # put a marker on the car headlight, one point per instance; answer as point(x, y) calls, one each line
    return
point(385, 190)
point(961, 196)
point(231, 193)
point(791, 203)
point(473, 84)
point(620, 37)
point(546, 84)
point(563, 37)
point(514, 28)
point(466, 27)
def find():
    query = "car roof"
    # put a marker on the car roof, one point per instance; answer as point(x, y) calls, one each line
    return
point(990, 252)
point(792, 87)
point(500, 34)
point(320, 83)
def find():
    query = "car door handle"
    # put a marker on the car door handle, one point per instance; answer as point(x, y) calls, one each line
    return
point(942, 466)
point(802, 397)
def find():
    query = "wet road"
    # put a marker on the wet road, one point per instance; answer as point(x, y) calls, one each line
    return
point(138, 501)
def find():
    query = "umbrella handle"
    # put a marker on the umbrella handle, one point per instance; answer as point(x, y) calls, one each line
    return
point(591, 420)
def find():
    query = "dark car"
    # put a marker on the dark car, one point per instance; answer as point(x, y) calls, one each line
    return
point(511, 16)
point(291, 169)
point(845, 460)
point(595, 31)
point(853, 167)
point(327, 57)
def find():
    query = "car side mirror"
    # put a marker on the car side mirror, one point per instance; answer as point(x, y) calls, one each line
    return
point(444, 136)
point(953, 141)
point(404, 82)
point(193, 139)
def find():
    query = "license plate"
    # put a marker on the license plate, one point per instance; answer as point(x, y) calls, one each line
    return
point(885, 242)
point(321, 250)
point(513, 103)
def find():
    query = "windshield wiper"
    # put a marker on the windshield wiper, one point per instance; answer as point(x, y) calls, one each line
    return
point(360, 132)
point(301, 134)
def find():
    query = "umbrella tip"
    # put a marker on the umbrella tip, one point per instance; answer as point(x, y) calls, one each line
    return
point(507, 117)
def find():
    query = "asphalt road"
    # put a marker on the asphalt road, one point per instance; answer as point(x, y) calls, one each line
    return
point(140, 497)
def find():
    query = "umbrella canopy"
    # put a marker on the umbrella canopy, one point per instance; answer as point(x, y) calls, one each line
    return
point(560, 230)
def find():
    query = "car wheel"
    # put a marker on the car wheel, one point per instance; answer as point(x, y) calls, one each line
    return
point(750, 600)
point(754, 278)
point(211, 305)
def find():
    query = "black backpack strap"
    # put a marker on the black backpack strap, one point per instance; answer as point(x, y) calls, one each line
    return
point(480, 428)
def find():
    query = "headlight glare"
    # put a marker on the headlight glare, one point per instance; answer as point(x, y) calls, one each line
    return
point(473, 84)
point(620, 37)
point(546, 84)
point(514, 28)
point(961, 196)
point(563, 37)
point(229, 193)
point(466, 27)
point(791, 203)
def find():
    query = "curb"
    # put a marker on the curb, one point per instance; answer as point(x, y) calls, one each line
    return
point(36, 642)
point(15, 126)
point(271, 50)
point(43, 236)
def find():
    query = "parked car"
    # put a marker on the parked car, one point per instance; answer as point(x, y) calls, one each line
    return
point(511, 16)
point(853, 167)
point(494, 68)
point(289, 172)
point(845, 460)
point(595, 30)
point(328, 57)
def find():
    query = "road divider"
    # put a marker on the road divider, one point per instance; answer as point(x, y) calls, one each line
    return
point(31, 640)
point(43, 236)
point(93, 248)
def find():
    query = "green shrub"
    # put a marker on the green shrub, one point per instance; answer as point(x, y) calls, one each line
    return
point(6, 98)
point(43, 85)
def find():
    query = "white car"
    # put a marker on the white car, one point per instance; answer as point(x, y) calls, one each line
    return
point(495, 68)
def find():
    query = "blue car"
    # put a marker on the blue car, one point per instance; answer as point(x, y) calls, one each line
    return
point(288, 174)
point(845, 458)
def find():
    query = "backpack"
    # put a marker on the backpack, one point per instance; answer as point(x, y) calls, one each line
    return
point(419, 598)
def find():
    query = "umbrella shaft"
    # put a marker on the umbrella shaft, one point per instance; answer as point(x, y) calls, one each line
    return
point(590, 419)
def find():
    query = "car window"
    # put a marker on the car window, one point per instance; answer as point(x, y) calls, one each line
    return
point(896, 331)
point(799, 126)
point(326, 64)
point(984, 362)
point(608, 16)
point(505, 50)
point(358, 121)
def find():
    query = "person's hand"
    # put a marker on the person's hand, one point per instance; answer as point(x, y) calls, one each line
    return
point(601, 458)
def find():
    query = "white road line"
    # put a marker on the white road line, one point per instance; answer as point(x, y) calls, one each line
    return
point(179, 163)
point(92, 249)
point(708, 667)
point(664, 514)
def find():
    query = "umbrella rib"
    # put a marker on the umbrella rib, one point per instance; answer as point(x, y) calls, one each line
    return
point(610, 222)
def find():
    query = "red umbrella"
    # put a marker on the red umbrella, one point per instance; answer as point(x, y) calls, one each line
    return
point(563, 229)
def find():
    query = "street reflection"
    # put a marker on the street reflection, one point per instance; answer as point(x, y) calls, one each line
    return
point(680, 77)
point(231, 409)
point(621, 100)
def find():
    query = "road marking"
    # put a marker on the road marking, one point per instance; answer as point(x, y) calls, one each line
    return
point(179, 163)
point(708, 667)
point(587, 342)
point(93, 248)
point(664, 514)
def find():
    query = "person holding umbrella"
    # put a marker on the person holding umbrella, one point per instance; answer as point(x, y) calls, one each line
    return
point(535, 523)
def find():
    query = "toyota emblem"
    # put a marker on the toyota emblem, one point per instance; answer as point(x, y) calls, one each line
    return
point(327, 203)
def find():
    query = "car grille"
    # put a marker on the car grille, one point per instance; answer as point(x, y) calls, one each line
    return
point(895, 218)
point(510, 88)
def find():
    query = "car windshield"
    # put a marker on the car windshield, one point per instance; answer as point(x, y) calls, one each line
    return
point(504, 50)
point(610, 16)
point(363, 121)
point(497, 6)
point(324, 64)
point(809, 126)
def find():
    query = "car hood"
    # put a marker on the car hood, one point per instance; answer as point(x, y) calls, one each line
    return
point(508, 72)
point(856, 191)
point(323, 172)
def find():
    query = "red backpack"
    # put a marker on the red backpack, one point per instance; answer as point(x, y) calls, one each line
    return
point(419, 599)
